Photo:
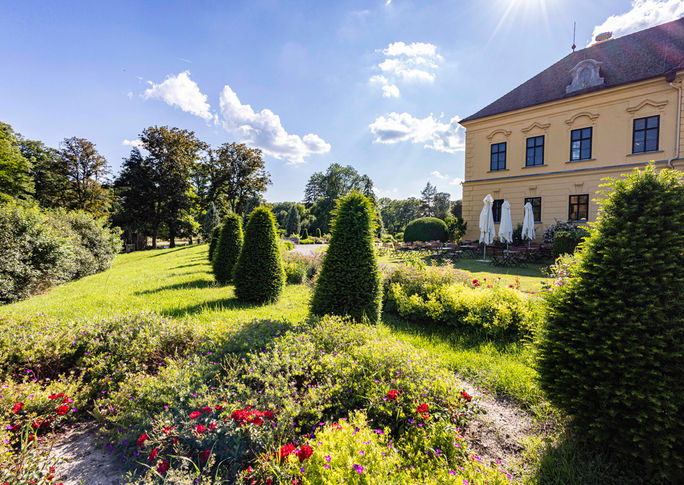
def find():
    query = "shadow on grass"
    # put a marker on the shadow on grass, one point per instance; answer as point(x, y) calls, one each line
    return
point(166, 251)
point(216, 305)
point(179, 286)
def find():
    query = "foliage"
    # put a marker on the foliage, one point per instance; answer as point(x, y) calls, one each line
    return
point(442, 203)
point(561, 226)
point(213, 242)
point(565, 242)
point(287, 245)
point(14, 168)
point(85, 171)
point(305, 234)
point(51, 184)
point(611, 355)
point(349, 282)
point(228, 248)
point(318, 232)
point(258, 274)
point(396, 214)
point(138, 200)
point(293, 224)
point(212, 220)
point(427, 196)
point(309, 264)
point(457, 209)
point(456, 228)
point(517, 235)
point(294, 273)
point(442, 296)
point(426, 229)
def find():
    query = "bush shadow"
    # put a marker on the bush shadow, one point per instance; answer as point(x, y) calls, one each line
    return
point(231, 303)
point(167, 251)
point(179, 286)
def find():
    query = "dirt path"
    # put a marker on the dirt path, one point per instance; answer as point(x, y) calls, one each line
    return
point(84, 459)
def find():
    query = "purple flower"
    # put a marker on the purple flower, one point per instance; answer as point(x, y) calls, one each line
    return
point(327, 458)
point(358, 468)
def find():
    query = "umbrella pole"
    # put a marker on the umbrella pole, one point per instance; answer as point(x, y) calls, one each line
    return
point(484, 250)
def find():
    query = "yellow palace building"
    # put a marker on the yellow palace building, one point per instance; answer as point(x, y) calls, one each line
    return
point(599, 112)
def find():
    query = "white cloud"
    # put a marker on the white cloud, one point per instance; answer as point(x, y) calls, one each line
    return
point(398, 127)
point(389, 193)
point(182, 92)
point(644, 14)
point(438, 175)
point(415, 62)
point(133, 144)
point(264, 130)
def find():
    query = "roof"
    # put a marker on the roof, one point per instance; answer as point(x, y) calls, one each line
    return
point(636, 57)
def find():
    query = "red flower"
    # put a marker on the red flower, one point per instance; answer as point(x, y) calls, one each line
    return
point(62, 410)
point(422, 409)
point(212, 426)
point(163, 467)
point(475, 281)
point(304, 452)
point(17, 407)
point(199, 429)
point(257, 421)
point(56, 396)
point(285, 451)
point(218, 407)
point(269, 414)
point(392, 395)
point(204, 456)
point(153, 455)
point(66, 400)
point(207, 410)
point(466, 396)
point(142, 439)
point(168, 429)
point(195, 415)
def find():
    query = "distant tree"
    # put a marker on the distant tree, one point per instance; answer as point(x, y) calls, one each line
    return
point(211, 220)
point(442, 203)
point(253, 201)
point(51, 184)
point(15, 179)
point(228, 248)
point(457, 209)
point(173, 155)
point(396, 214)
point(85, 171)
point(293, 225)
point(427, 200)
point(456, 228)
point(233, 173)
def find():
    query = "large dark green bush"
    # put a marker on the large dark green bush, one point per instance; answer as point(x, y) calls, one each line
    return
point(613, 353)
point(349, 281)
point(213, 242)
point(426, 229)
point(228, 248)
point(565, 242)
point(305, 234)
point(258, 274)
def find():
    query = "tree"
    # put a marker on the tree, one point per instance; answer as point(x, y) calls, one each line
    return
point(173, 155)
point(457, 209)
point(456, 227)
point(234, 173)
point(396, 214)
point(51, 184)
point(612, 349)
point(211, 220)
point(215, 234)
point(442, 203)
point(427, 200)
point(137, 191)
point(15, 180)
point(258, 275)
point(228, 248)
point(349, 281)
point(85, 171)
point(293, 225)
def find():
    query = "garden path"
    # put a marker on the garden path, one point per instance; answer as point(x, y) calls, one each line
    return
point(307, 249)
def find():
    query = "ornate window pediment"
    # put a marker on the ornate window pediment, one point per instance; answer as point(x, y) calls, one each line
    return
point(585, 75)
point(536, 124)
point(505, 133)
point(573, 118)
point(647, 102)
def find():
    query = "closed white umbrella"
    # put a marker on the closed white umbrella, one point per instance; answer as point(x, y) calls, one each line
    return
point(528, 224)
point(506, 226)
point(487, 231)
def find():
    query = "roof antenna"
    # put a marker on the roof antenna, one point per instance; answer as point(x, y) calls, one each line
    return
point(574, 26)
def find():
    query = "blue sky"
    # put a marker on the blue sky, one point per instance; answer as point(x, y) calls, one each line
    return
point(379, 84)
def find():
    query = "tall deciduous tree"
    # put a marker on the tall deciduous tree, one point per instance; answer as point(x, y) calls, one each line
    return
point(233, 173)
point(15, 180)
point(85, 170)
point(441, 203)
point(173, 156)
point(50, 181)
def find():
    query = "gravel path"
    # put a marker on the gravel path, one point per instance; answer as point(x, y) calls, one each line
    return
point(307, 249)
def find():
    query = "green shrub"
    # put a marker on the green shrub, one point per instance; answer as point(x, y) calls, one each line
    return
point(565, 242)
point(287, 245)
point(305, 233)
point(294, 238)
point(228, 248)
point(258, 274)
point(213, 242)
point(349, 282)
point(318, 232)
point(426, 229)
point(612, 353)
point(293, 224)
point(561, 226)
point(212, 220)
point(294, 273)
point(310, 263)
point(399, 236)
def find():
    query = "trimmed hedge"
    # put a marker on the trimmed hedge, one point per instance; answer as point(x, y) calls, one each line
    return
point(228, 248)
point(426, 229)
point(349, 282)
point(613, 351)
point(215, 233)
point(258, 274)
point(565, 242)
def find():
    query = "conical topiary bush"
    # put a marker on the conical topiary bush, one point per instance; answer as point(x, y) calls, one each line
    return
point(349, 281)
point(213, 242)
point(612, 355)
point(228, 248)
point(258, 275)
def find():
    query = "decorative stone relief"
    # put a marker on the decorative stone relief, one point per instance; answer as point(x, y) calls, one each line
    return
point(585, 75)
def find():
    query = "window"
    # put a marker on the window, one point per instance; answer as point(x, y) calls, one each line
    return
point(496, 210)
point(578, 209)
point(536, 207)
point(645, 137)
point(580, 144)
point(535, 151)
point(498, 156)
